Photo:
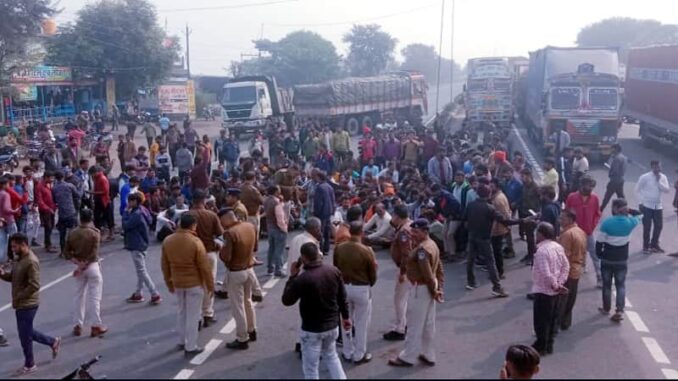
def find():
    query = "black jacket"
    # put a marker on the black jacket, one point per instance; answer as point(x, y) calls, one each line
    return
point(323, 297)
point(480, 215)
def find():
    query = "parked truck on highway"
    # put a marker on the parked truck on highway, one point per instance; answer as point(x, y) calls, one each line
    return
point(488, 93)
point(651, 91)
point(576, 90)
point(354, 103)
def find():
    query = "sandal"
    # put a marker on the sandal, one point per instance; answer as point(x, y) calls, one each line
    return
point(25, 370)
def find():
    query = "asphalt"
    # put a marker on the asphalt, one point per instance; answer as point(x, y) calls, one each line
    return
point(473, 329)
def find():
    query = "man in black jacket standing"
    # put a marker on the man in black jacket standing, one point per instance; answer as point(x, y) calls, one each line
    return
point(320, 290)
point(480, 216)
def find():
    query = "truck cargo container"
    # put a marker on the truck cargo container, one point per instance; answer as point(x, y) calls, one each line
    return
point(488, 92)
point(651, 93)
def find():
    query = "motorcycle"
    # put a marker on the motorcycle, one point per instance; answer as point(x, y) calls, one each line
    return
point(9, 157)
point(82, 372)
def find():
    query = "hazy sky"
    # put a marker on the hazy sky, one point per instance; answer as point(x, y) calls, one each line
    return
point(482, 27)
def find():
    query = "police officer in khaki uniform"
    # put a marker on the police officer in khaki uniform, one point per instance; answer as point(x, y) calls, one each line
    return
point(425, 272)
point(400, 248)
point(233, 201)
point(238, 257)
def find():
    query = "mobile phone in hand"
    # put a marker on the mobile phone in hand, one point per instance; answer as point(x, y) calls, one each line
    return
point(532, 212)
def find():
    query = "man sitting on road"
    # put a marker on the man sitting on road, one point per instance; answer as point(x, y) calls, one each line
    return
point(383, 231)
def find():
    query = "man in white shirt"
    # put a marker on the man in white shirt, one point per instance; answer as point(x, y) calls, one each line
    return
point(649, 189)
point(383, 232)
point(580, 166)
point(312, 233)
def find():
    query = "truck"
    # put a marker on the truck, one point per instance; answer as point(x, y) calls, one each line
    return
point(651, 91)
point(519, 68)
point(488, 93)
point(249, 102)
point(576, 90)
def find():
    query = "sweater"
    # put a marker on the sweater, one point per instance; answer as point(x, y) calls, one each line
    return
point(135, 225)
point(612, 239)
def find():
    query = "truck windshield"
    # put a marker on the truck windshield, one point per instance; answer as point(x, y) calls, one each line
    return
point(502, 84)
point(244, 94)
point(477, 85)
point(565, 98)
point(603, 99)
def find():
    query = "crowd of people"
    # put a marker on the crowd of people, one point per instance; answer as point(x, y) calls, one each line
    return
point(430, 196)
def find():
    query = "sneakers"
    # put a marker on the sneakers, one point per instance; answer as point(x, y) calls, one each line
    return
point(470, 287)
point(394, 336)
point(136, 298)
point(280, 274)
point(603, 311)
point(195, 351)
point(26, 370)
point(499, 293)
point(657, 249)
point(617, 317)
point(34, 243)
point(647, 251)
point(98, 331)
point(367, 358)
point(77, 330)
point(235, 344)
point(269, 272)
point(155, 300)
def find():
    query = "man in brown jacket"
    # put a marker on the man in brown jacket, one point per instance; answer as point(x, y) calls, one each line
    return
point(25, 279)
point(208, 229)
point(82, 248)
point(188, 274)
point(425, 271)
point(358, 267)
point(499, 230)
point(573, 240)
point(252, 199)
point(238, 257)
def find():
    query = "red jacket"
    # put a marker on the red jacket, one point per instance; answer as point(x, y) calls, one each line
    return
point(102, 185)
point(588, 213)
point(17, 200)
point(43, 196)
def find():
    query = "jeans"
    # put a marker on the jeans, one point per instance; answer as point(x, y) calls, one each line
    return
point(89, 286)
point(317, 344)
point(189, 301)
point(359, 300)
point(529, 228)
point(143, 278)
point(618, 273)
point(27, 335)
point(544, 318)
point(450, 241)
point(481, 247)
point(591, 248)
point(326, 227)
point(5, 233)
point(64, 225)
point(651, 216)
point(497, 244)
point(47, 220)
point(612, 188)
point(276, 247)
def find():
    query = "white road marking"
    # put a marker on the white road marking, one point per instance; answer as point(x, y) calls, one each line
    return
point(270, 283)
point(228, 328)
point(211, 346)
point(43, 288)
point(670, 374)
point(530, 157)
point(655, 350)
point(184, 374)
point(637, 322)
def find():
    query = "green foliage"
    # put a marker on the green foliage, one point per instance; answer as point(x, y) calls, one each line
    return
point(624, 32)
point(301, 57)
point(20, 25)
point(424, 58)
point(370, 50)
point(117, 37)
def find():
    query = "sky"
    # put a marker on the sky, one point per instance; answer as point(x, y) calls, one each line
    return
point(223, 30)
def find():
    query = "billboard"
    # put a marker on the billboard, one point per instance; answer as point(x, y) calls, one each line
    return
point(177, 99)
point(43, 74)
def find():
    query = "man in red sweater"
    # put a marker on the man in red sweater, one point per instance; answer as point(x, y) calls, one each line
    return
point(46, 207)
point(586, 206)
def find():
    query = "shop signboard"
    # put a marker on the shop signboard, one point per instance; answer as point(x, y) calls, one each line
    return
point(190, 92)
point(26, 92)
point(177, 99)
point(43, 74)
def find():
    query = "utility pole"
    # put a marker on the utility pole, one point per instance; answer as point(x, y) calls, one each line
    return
point(440, 54)
point(452, 55)
point(188, 53)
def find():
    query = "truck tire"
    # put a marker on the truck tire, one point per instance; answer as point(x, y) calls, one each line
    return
point(367, 121)
point(353, 126)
